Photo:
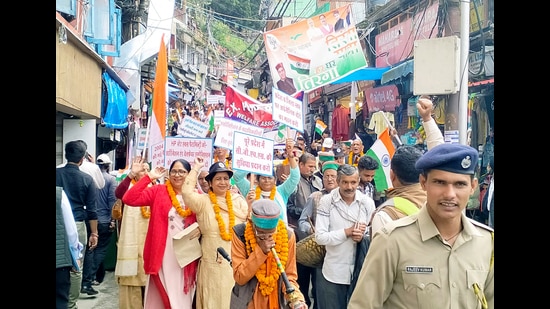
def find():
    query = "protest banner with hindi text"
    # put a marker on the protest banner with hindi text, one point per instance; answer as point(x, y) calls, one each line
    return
point(253, 154)
point(224, 137)
point(287, 110)
point(188, 148)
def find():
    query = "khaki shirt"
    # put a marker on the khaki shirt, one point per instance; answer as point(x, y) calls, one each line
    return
point(409, 265)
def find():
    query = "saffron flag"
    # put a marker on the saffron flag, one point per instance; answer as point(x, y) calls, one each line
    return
point(160, 93)
point(382, 151)
point(320, 126)
point(299, 64)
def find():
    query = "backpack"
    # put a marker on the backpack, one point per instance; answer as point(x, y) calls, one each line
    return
point(396, 207)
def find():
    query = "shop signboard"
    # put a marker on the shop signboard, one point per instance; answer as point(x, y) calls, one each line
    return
point(385, 98)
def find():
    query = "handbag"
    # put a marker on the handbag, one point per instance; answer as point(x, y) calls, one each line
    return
point(116, 210)
point(309, 252)
point(242, 294)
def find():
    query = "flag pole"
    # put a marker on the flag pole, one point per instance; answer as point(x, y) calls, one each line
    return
point(395, 136)
point(144, 151)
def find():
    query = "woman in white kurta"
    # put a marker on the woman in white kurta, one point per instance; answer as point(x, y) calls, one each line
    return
point(217, 212)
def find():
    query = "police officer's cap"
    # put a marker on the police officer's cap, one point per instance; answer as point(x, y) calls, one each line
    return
point(455, 158)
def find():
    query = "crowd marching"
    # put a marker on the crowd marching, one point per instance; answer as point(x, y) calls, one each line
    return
point(209, 237)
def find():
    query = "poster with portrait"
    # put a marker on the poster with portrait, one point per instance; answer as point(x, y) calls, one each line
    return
point(314, 52)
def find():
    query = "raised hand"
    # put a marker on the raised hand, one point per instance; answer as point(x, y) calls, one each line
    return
point(157, 173)
point(199, 162)
point(425, 108)
point(137, 166)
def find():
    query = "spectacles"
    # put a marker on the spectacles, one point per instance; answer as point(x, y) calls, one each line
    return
point(263, 236)
point(329, 176)
point(178, 172)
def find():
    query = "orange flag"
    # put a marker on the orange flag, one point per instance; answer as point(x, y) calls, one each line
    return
point(160, 94)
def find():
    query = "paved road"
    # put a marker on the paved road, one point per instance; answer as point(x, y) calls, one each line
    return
point(107, 297)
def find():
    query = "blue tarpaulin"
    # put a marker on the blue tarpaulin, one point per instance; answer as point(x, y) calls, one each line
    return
point(115, 115)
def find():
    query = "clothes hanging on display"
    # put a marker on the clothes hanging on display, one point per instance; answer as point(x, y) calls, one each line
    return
point(378, 122)
point(340, 123)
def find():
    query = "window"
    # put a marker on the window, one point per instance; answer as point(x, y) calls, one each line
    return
point(113, 49)
point(66, 6)
point(102, 27)
point(99, 24)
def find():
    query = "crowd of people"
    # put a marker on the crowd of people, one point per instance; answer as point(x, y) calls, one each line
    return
point(199, 237)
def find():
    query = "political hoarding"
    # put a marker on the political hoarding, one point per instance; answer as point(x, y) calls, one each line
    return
point(315, 51)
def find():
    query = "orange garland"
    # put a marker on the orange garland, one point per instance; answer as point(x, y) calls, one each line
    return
point(175, 203)
point(145, 211)
point(350, 158)
point(225, 234)
point(271, 193)
point(268, 281)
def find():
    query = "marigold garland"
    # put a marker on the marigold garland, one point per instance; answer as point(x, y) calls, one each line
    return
point(145, 210)
point(268, 281)
point(271, 193)
point(175, 203)
point(225, 234)
point(285, 161)
point(350, 158)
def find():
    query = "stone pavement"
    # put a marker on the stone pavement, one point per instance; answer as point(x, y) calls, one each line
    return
point(107, 297)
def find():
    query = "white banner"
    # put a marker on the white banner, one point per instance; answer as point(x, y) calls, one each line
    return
point(215, 99)
point(224, 137)
point(190, 126)
point(287, 110)
point(253, 154)
point(188, 149)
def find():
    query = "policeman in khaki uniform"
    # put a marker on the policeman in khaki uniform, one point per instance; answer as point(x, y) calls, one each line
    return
point(437, 257)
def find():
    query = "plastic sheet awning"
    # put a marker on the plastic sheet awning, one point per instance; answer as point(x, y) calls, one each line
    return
point(398, 71)
point(367, 73)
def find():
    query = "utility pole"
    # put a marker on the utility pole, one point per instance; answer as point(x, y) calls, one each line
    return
point(457, 113)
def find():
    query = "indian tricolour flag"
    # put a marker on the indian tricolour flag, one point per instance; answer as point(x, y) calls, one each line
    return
point(320, 126)
point(382, 151)
point(210, 118)
point(299, 64)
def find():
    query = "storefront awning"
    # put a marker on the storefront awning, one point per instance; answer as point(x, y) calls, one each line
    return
point(398, 71)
